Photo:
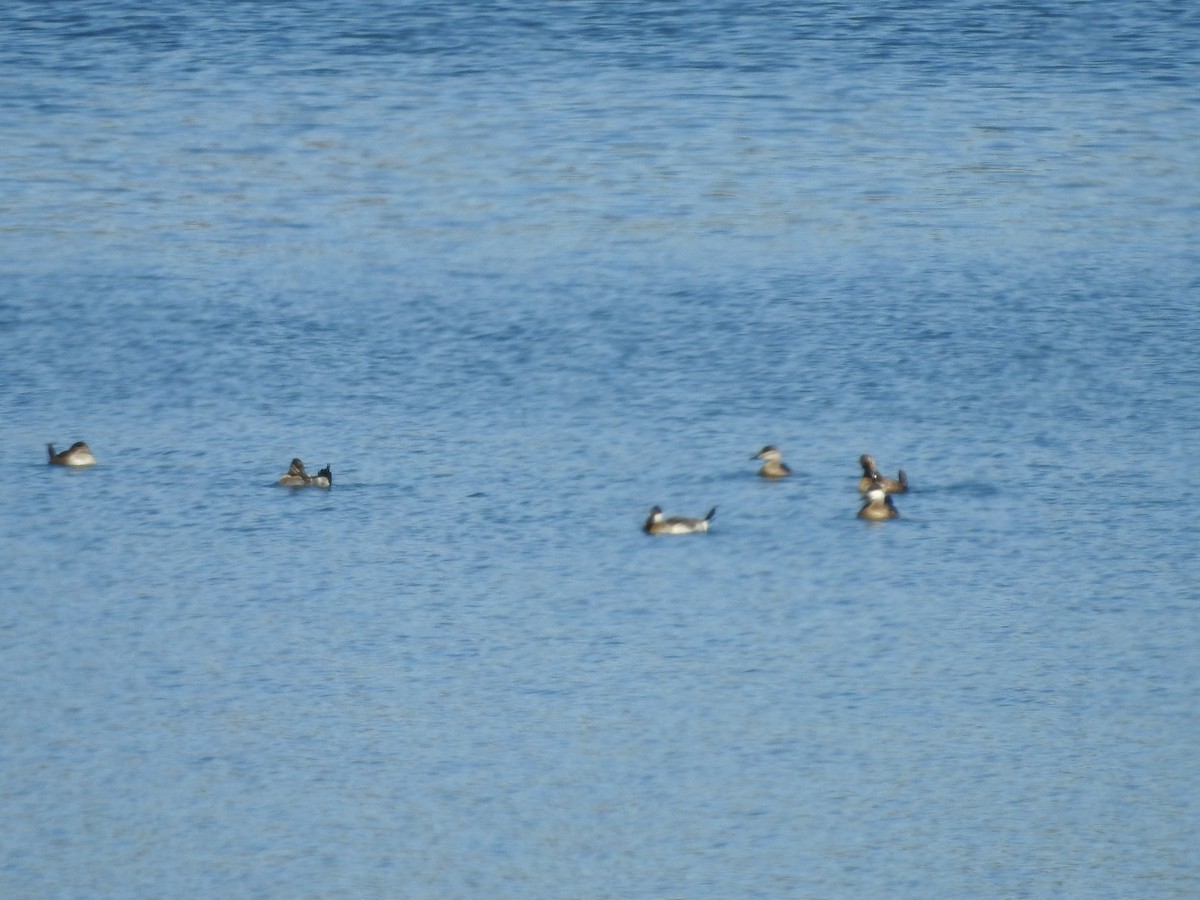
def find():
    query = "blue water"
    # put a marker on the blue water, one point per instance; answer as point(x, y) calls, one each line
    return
point(517, 273)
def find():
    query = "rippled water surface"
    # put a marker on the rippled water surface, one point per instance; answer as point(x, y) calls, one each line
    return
point(517, 273)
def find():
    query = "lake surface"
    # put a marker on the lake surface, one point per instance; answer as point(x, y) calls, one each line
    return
point(518, 272)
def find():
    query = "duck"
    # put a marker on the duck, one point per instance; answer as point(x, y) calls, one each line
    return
point(878, 504)
point(773, 464)
point(297, 477)
point(871, 476)
point(78, 454)
point(656, 524)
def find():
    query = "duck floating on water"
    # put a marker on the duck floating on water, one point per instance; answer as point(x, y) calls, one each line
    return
point(297, 477)
point(657, 524)
point(773, 464)
point(878, 504)
point(871, 476)
point(78, 454)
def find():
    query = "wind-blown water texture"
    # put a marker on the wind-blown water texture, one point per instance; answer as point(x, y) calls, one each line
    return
point(519, 273)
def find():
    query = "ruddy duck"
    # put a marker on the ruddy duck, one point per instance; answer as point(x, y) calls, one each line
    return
point(656, 524)
point(878, 504)
point(871, 476)
point(773, 464)
point(79, 454)
point(297, 477)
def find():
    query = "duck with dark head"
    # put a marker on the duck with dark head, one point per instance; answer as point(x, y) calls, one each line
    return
point(297, 477)
point(773, 464)
point(871, 476)
point(877, 504)
point(658, 524)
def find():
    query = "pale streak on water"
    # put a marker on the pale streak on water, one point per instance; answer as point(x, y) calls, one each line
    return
point(518, 273)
